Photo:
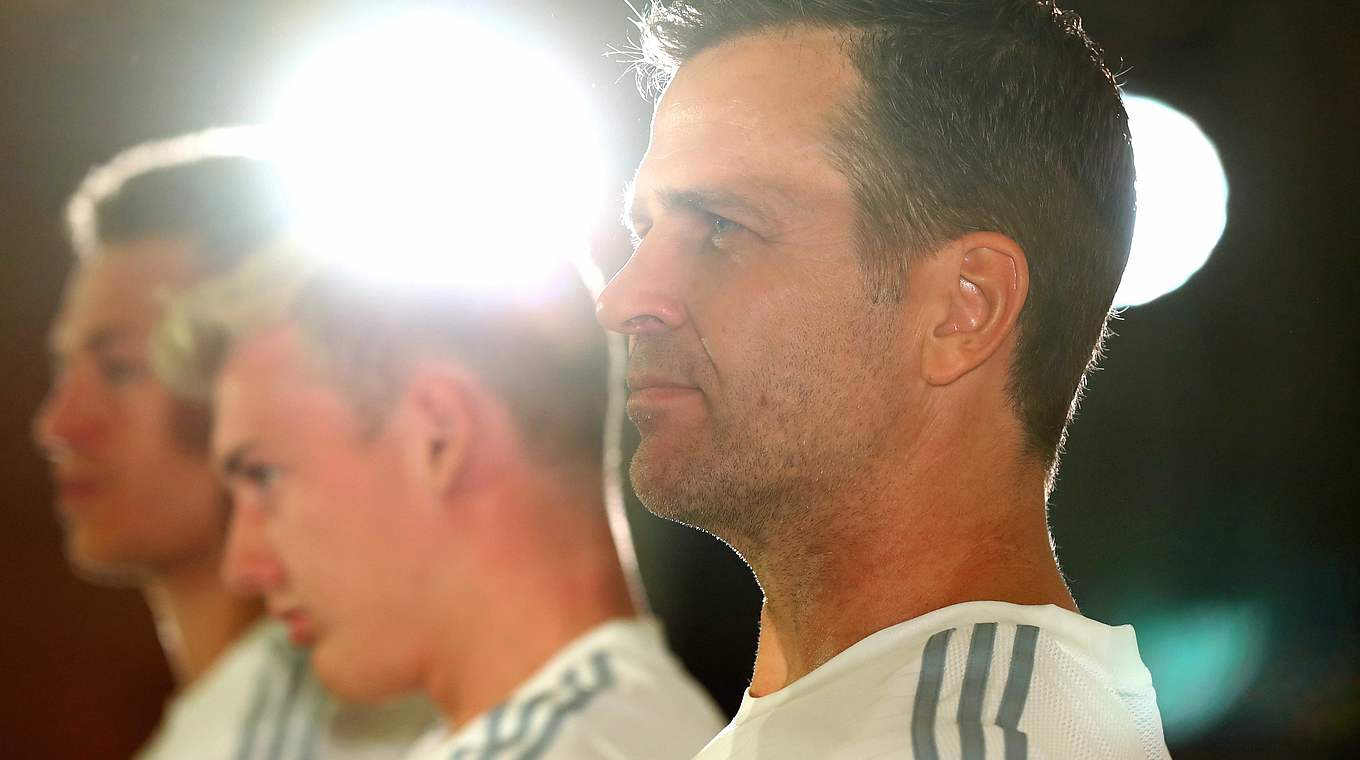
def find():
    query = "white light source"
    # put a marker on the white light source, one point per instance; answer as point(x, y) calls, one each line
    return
point(427, 150)
point(1182, 200)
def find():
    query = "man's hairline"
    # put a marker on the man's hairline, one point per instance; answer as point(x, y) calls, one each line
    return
point(370, 414)
point(847, 108)
point(120, 331)
point(310, 361)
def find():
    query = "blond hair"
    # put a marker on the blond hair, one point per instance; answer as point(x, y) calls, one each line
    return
point(546, 359)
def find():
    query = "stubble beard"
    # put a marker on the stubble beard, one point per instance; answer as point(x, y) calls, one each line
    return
point(732, 486)
point(772, 458)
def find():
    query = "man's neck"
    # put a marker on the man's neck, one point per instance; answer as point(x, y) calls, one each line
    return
point(549, 582)
point(197, 619)
point(932, 544)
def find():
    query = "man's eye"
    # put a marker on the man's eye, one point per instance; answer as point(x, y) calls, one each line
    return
point(122, 372)
point(255, 479)
point(260, 476)
point(254, 486)
point(720, 227)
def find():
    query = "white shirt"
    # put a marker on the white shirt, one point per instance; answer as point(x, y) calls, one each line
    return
point(616, 693)
point(975, 681)
point(260, 700)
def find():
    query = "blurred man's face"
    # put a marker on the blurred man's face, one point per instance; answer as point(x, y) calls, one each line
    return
point(135, 488)
point(330, 522)
point(760, 371)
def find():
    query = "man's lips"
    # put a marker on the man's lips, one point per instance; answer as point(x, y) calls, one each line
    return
point(661, 392)
point(76, 488)
point(300, 629)
point(638, 383)
point(649, 395)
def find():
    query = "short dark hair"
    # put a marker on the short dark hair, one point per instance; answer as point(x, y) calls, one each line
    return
point(195, 188)
point(211, 189)
point(996, 115)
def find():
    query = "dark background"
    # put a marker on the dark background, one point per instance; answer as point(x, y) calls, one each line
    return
point(1208, 495)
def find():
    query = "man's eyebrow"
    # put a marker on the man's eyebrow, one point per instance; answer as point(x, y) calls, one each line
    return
point(231, 463)
point(95, 341)
point(712, 201)
point(700, 199)
point(108, 338)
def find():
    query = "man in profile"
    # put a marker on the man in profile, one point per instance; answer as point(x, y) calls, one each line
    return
point(877, 243)
point(136, 492)
point(417, 480)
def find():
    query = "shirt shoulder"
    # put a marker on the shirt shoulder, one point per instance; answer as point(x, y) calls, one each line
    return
point(982, 680)
point(1054, 688)
point(616, 692)
point(261, 700)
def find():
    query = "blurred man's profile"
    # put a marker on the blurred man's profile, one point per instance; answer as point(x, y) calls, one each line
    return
point(417, 476)
point(136, 492)
point(877, 244)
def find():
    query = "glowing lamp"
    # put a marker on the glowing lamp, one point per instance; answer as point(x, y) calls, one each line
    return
point(1182, 201)
point(427, 150)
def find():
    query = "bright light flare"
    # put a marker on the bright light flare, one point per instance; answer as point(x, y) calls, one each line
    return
point(1204, 660)
point(431, 151)
point(1182, 201)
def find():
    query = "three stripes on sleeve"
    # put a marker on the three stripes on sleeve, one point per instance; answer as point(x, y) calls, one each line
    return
point(508, 731)
point(284, 712)
point(970, 718)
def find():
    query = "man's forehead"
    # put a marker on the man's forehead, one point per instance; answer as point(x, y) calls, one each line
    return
point(272, 391)
point(260, 375)
point(120, 292)
point(96, 319)
point(274, 369)
point(264, 357)
point(756, 113)
point(67, 337)
point(796, 76)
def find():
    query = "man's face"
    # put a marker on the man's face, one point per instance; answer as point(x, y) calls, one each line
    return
point(761, 371)
point(330, 522)
point(135, 490)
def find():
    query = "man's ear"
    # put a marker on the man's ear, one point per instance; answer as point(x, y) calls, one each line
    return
point(981, 282)
point(443, 401)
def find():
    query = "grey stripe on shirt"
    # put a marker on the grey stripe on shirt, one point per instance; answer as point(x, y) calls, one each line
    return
point(1017, 692)
point(971, 741)
point(928, 697)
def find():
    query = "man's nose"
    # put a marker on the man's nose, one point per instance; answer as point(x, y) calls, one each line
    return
point(249, 565)
point(647, 295)
point(70, 418)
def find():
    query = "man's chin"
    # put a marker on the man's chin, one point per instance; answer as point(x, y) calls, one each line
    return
point(350, 677)
point(667, 486)
point(653, 474)
point(103, 564)
point(711, 494)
